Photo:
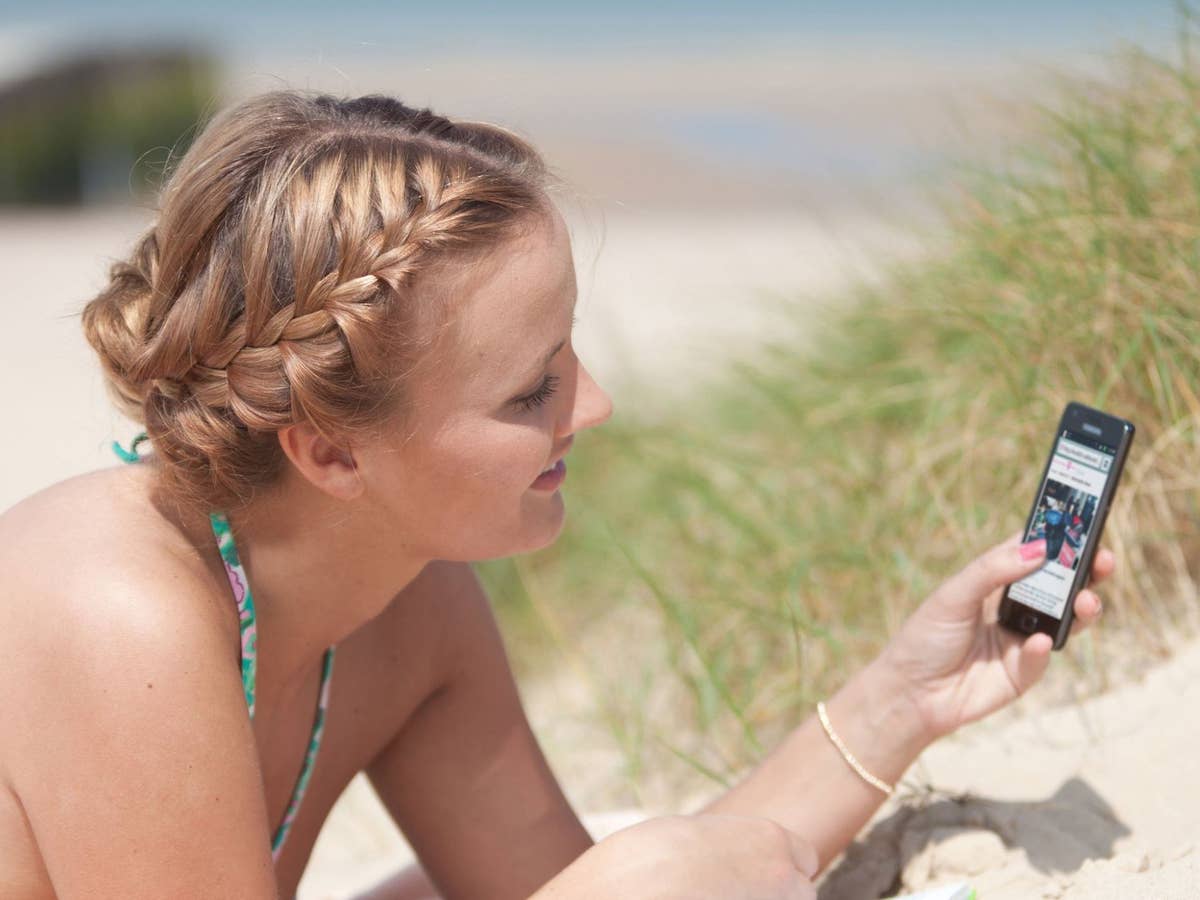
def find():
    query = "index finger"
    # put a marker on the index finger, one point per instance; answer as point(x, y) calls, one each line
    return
point(1102, 566)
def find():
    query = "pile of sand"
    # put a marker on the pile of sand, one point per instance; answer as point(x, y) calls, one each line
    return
point(1092, 800)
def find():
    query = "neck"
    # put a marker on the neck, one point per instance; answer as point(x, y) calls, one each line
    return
point(319, 570)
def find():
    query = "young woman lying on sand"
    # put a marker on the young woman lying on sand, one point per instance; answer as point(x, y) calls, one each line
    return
point(348, 336)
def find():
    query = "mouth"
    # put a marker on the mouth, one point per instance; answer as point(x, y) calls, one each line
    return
point(552, 477)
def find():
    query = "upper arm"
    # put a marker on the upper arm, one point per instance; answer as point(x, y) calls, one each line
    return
point(465, 778)
point(129, 746)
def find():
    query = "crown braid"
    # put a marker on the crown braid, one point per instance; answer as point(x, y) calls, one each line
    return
point(280, 281)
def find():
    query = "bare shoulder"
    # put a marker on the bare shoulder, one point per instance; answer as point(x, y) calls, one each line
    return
point(125, 722)
point(105, 514)
point(87, 574)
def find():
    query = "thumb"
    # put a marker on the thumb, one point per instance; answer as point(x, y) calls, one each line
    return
point(804, 855)
point(1033, 656)
point(996, 567)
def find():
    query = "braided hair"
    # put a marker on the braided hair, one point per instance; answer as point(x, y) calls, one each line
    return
point(282, 280)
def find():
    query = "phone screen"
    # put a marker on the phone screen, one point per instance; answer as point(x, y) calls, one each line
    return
point(1064, 515)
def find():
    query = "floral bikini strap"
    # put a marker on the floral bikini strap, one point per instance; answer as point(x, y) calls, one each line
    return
point(237, 580)
point(130, 455)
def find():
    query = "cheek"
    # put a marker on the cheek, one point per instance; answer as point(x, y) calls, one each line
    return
point(492, 460)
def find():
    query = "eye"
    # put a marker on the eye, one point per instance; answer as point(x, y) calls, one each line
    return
point(545, 390)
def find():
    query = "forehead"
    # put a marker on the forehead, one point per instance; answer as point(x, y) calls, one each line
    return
point(508, 308)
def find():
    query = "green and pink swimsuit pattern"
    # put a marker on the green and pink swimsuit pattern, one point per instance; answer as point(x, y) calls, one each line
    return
point(249, 652)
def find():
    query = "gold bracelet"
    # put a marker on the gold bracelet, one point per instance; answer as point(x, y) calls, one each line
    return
point(848, 756)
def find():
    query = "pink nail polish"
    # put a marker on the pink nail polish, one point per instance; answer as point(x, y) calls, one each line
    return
point(1033, 548)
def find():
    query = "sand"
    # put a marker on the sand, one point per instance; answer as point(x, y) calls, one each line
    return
point(1094, 800)
point(1085, 800)
point(1089, 800)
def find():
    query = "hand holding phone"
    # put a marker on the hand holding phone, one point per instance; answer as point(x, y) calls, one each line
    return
point(1069, 510)
point(953, 660)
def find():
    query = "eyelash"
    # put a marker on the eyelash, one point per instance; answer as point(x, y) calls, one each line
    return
point(546, 389)
point(541, 395)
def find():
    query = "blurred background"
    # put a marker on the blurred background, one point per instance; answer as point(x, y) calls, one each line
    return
point(811, 274)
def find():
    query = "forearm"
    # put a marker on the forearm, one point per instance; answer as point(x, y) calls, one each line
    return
point(408, 884)
point(805, 784)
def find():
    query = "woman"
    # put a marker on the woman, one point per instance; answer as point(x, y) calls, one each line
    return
point(348, 337)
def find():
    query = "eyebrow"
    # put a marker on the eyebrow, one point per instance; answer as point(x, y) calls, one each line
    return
point(550, 354)
point(553, 351)
point(543, 362)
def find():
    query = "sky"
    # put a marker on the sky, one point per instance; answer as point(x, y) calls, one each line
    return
point(428, 29)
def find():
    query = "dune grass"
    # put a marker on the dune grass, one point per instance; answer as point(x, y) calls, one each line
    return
point(724, 568)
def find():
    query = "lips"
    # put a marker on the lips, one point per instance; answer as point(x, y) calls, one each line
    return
point(552, 479)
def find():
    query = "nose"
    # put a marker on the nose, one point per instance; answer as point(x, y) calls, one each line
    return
point(593, 405)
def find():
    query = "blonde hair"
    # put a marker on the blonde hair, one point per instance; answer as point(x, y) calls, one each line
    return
point(278, 283)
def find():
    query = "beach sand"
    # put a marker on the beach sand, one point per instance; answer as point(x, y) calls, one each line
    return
point(1080, 801)
point(1086, 800)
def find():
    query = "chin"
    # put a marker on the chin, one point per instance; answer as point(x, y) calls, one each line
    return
point(557, 518)
point(545, 524)
point(536, 530)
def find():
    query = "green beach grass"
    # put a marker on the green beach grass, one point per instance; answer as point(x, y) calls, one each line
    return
point(724, 568)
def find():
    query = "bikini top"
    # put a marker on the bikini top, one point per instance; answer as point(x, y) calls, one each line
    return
point(249, 652)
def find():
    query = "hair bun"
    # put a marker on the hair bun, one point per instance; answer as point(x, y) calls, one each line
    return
point(115, 323)
point(279, 283)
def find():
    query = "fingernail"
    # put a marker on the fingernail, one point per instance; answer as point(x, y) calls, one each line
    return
point(1033, 548)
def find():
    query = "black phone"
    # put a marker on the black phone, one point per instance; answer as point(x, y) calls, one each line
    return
point(1077, 488)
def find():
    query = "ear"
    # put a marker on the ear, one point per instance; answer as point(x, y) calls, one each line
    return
point(328, 467)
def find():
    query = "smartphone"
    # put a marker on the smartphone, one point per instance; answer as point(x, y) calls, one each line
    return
point(1077, 489)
